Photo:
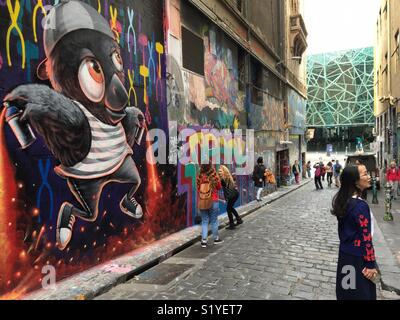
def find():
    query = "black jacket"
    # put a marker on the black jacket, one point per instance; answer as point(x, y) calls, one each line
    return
point(259, 171)
point(294, 169)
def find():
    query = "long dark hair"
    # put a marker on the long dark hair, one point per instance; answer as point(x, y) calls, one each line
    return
point(348, 187)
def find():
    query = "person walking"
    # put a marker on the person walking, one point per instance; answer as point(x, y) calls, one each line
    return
point(329, 173)
point(231, 195)
point(392, 177)
point(356, 269)
point(308, 168)
point(208, 184)
point(304, 170)
point(323, 171)
point(398, 181)
point(317, 176)
point(337, 169)
point(259, 177)
point(296, 171)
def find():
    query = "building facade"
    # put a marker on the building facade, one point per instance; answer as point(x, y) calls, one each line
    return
point(341, 98)
point(189, 65)
point(258, 64)
point(387, 83)
point(296, 89)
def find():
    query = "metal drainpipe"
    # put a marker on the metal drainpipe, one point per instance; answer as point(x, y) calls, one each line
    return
point(248, 61)
point(282, 33)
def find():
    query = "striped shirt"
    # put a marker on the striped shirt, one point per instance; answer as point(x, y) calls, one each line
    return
point(108, 151)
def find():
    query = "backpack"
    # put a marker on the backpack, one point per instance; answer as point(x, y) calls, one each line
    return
point(318, 172)
point(205, 194)
point(338, 168)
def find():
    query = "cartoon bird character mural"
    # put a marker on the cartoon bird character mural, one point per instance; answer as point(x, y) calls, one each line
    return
point(83, 120)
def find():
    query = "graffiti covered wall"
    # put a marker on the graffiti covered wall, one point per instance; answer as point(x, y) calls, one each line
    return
point(269, 116)
point(210, 99)
point(297, 112)
point(297, 123)
point(213, 97)
point(112, 212)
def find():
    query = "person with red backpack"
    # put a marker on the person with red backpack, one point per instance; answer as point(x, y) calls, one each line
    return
point(208, 184)
point(317, 175)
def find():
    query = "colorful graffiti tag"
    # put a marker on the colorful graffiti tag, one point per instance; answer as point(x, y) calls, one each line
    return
point(226, 149)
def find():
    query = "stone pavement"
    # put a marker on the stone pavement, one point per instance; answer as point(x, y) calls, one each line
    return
point(97, 280)
point(285, 250)
point(388, 240)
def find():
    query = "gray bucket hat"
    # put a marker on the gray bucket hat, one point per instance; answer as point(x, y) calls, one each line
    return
point(68, 16)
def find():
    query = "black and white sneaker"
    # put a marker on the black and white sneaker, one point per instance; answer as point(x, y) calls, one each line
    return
point(131, 208)
point(65, 224)
point(203, 244)
point(218, 241)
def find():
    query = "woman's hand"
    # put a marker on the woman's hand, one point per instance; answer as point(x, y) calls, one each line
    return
point(369, 273)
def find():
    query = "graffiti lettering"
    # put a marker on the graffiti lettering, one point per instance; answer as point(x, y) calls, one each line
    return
point(131, 86)
point(14, 12)
point(131, 29)
point(39, 5)
point(113, 22)
point(159, 83)
point(44, 173)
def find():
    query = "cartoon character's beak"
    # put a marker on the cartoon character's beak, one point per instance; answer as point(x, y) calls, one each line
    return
point(116, 95)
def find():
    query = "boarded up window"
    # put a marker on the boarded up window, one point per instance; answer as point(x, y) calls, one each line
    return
point(192, 51)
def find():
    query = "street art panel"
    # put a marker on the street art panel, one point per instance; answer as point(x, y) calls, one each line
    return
point(226, 149)
point(297, 112)
point(269, 116)
point(222, 104)
point(75, 186)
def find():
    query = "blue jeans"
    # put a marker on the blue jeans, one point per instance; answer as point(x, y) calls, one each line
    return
point(210, 216)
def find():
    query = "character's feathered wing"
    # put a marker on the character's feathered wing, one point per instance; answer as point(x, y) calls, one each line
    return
point(63, 126)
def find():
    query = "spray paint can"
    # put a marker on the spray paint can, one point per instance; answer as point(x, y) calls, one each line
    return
point(22, 131)
point(139, 130)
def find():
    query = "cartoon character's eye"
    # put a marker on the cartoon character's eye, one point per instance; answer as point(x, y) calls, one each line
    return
point(117, 60)
point(91, 79)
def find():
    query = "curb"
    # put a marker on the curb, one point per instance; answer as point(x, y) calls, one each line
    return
point(101, 278)
point(390, 271)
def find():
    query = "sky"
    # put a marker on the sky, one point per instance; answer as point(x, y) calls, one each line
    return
point(335, 25)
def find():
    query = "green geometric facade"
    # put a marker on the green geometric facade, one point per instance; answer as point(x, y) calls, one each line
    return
point(341, 88)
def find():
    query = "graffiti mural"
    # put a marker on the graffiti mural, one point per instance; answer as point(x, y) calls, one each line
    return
point(213, 97)
point(75, 187)
point(269, 116)
point(297, 111)
point(227, 150)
